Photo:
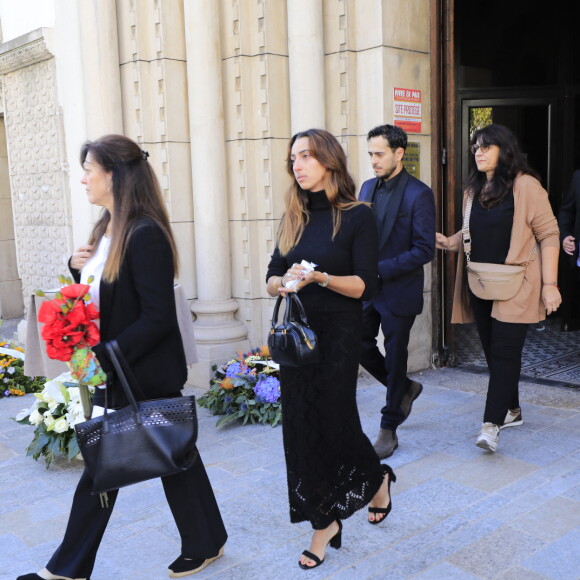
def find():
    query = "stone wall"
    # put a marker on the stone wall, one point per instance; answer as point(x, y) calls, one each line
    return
point(37, 164)
point(267, 86)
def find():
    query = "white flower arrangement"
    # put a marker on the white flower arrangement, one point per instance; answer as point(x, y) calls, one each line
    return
point(55, 412)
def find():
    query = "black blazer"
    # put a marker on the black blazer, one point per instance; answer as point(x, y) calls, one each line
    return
point(138, 310)
point(569, 216)
point(406, 243)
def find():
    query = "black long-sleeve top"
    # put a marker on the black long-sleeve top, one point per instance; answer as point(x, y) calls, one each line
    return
point(354, 251)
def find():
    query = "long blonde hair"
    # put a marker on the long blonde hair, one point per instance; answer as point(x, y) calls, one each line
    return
point(338, 185)
point(136, 194)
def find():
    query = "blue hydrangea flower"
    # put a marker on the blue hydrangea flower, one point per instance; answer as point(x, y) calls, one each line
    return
point(227, 399)
point(243, 407)
point(233, 370)
point(6, 392)
point(268, 390)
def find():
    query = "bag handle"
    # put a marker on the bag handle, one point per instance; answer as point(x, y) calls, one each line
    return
point(116, 357)
point(467, 234)
point(131, 378)
point(292, 301)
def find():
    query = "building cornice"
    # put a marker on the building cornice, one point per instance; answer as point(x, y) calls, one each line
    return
point(25, 50)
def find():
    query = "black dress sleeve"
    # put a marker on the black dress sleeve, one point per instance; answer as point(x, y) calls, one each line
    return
point(278, 265)
point(365, 252)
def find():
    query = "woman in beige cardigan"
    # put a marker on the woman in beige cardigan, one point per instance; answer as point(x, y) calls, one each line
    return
point(511, 222)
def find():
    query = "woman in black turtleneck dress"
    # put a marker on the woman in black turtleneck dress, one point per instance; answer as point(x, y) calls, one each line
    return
point(332, 467)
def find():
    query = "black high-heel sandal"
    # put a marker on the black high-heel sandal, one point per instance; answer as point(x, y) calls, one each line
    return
point(386, 511)
point(334, 542)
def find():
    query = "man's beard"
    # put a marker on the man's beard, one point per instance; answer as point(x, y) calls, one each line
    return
point(388, 172)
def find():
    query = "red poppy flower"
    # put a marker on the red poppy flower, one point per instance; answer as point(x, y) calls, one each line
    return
point(70, 328)
point(49, 310)
point(77, 315)
point(75, 291)
point(92, 312)
point(63, 354)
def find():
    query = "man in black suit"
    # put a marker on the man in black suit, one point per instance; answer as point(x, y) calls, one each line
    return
point(405, 213)
point(569, 218)
point(569, 222)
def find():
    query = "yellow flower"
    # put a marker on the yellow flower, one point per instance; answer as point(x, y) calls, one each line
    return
point(17, 392)
point(264, 350)
point(227, 384)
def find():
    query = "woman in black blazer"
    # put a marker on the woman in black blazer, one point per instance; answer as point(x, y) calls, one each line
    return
point(132, 256)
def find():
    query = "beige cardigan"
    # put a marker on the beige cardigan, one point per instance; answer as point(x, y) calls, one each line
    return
point(533, 220)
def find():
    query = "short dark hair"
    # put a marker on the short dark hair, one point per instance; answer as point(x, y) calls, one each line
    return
point(394, 135)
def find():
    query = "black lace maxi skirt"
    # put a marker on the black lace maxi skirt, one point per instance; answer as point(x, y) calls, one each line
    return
point(332, 468)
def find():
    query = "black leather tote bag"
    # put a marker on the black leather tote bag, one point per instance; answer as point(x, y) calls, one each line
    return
point(292, 342)
point(141, 441)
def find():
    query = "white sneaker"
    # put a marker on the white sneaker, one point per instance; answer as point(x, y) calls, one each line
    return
point(488, 438)
point(513, 419)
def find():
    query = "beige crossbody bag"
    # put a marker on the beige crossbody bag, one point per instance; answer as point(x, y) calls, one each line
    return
point(491, 281)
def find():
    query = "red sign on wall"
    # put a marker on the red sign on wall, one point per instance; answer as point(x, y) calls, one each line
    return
point(407, 109)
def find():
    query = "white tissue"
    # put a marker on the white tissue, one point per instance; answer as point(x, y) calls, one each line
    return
point(309, 266)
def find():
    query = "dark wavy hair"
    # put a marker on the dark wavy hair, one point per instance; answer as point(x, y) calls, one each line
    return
point(511, 162)
point(136, 194)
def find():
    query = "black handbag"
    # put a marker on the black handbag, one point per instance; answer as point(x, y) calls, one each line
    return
point(141, 441)
point(292, 342)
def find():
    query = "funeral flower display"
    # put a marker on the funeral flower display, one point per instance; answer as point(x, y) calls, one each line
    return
point(247, 389)
point(13, 381)
point(69, 333)
point(54, 413)
point(68, 321)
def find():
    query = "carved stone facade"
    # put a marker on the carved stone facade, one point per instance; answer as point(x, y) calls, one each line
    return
point(38, 166)
point(363, 50)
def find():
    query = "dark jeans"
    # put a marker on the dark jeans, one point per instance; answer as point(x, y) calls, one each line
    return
point(192, 503)
point(503, 343)
point(391, 369)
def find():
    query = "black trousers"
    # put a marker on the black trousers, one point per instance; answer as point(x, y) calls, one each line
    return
point(503, 343)
point(391, 369)
point(192, 503)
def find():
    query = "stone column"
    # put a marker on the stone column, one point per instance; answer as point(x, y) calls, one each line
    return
point(102, 79)
point(11, 303)
point(306, 65)
point(218, 333)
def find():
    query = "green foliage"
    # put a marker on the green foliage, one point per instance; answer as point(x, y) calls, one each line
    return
point(54, 413)
point(51, 445)
point(13, 381)
point(245, 389)
point(479, 117)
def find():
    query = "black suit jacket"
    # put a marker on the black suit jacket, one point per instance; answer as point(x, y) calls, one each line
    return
point(569, 216)
point(138, 310)
point(406, 243)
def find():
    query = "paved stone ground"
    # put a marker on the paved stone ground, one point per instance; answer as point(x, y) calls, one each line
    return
point(458, 512)
point(8, 328)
